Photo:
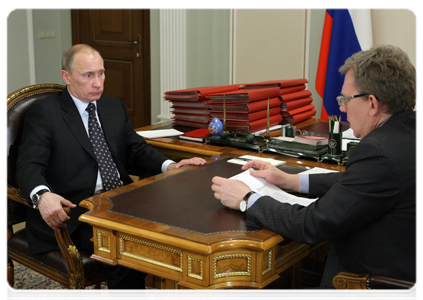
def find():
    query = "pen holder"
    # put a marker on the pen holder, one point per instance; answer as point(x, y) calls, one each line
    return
point(288, 131)
point(335, 144)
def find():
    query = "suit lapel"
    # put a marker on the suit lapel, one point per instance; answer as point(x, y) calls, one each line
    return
point(73, 120)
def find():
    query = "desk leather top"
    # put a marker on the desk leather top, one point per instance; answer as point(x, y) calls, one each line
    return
point(185, 201)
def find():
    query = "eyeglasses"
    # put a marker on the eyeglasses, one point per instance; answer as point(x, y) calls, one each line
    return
point(342, 100)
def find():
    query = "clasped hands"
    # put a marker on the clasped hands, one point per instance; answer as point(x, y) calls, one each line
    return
point(230, 192)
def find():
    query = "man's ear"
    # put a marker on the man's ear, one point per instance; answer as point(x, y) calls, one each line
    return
point(375, 106)
point(65, 76)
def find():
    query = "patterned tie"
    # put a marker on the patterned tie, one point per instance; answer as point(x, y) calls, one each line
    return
point(102, 152)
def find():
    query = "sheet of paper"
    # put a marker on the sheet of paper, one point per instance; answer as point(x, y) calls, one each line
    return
point(349, 134)
point(151, 134)
point(317, 170)
point(261, 186)
point(242, 160)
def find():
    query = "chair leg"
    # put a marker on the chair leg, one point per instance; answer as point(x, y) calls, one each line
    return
point(10, 272)
point(97, 286)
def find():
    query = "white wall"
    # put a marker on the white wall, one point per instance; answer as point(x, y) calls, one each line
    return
point(267, 44)
point(48, 51)
point(19, 68)
point(396, 27)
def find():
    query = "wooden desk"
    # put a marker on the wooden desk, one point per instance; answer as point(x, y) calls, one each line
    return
point(187, 259)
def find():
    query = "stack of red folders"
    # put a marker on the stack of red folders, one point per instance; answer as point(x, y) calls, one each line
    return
point(246, 105)
point(296, 100)
point(246, 109)
point(297, 107)
point(190, 107)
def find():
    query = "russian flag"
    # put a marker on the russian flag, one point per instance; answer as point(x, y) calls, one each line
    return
point(345, 32)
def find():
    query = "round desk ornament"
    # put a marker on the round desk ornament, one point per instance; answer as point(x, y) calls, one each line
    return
point(224, 134)
point(215, 126)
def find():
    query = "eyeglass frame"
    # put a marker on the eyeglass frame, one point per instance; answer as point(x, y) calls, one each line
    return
point(342, 100)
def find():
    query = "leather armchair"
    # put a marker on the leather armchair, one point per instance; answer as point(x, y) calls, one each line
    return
point(346, 280)
point(68, 266)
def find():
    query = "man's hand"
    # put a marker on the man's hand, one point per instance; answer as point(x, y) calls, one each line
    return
point(51, 210)
point(197, 161)
point(229, 191)
point(273, 175)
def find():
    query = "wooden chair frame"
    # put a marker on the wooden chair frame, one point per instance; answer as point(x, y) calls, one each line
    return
point(347, 280)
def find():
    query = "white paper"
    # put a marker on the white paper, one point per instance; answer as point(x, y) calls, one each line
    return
point(317, 170)
point(270, 129)
point(247, 158)
point(151, 134)
point(261, 186)
point(349, 134)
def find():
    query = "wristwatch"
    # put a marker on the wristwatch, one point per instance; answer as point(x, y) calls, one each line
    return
point(37, 197)
point(243, 203)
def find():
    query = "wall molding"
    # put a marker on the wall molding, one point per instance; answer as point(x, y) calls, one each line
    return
point(172, 56)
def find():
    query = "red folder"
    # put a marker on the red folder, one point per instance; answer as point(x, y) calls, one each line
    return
point(195, 118)
point(188, 123)
point(190, 104)
point(247, 107)
point(292, 89)
point(197, 135)
point(244, 95)
point(299, 117)
point(199, 93)
point(190, 110)
point(296, 95)
point(278, 83)
point(296, 103)
point(248, 117)
point(298, 110)
point(253, 126)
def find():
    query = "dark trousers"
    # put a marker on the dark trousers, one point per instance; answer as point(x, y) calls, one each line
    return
point(118, 277)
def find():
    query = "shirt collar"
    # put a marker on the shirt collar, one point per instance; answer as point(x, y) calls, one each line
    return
point(384, 121)
point(81, 105)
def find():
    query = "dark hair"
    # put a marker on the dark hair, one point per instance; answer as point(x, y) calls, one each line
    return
point(69, 55)
point(387, 73)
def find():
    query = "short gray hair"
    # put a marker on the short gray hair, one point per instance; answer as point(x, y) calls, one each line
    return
point(387, 73)
point(69, 55)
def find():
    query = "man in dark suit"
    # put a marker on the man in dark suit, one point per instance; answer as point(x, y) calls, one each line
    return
point(368, 211)
point(57, 164)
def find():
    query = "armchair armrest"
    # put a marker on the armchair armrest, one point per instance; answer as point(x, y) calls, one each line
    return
point(347, 280)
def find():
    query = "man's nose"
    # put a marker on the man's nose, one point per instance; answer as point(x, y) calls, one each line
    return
point(97, 82)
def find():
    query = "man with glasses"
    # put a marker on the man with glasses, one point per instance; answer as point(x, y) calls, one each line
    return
point(368, 211)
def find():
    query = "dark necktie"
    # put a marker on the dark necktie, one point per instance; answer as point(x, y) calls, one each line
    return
point(102, 152)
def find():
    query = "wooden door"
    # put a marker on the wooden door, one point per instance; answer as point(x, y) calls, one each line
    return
point(123, 39)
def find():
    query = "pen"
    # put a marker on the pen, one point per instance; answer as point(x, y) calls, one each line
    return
point(241, 158)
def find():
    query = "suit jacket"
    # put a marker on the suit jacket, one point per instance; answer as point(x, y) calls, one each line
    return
point(368, 211)
point(55, 151)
